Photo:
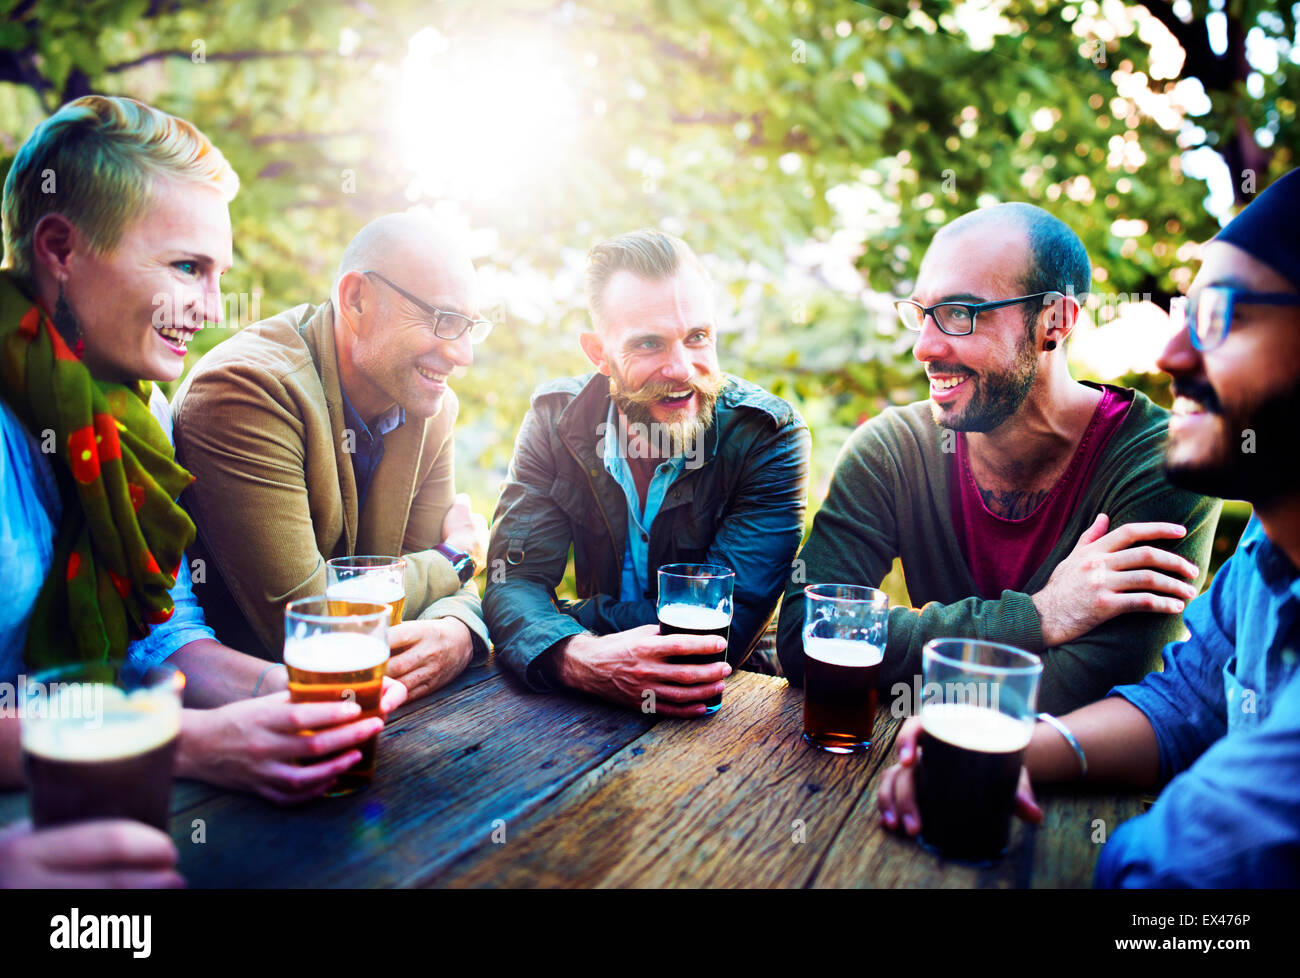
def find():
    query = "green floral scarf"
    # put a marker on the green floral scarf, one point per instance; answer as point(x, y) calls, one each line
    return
point(122, 538)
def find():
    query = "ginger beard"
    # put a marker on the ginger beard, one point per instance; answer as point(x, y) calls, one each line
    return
point(683, 428)
point(995, 396)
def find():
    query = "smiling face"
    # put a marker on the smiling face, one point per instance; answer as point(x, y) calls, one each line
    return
point(1232, 432)
point(395, 353)
point(657, 342)
point(139, 306)
point(977, 381)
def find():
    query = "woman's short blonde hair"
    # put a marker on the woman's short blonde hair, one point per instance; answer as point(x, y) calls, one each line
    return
point(95, 161)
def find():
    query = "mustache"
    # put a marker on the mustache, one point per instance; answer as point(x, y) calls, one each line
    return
point(1199, 391)
point(657, 390)
point(953, 369)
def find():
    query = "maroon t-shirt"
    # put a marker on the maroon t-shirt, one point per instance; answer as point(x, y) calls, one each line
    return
point(1004, 554)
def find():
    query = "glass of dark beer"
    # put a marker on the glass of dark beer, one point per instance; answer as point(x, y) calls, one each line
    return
point(336, 649)
point(99, 741)
point(977, 714)
point(844, 632)
point(695, 599)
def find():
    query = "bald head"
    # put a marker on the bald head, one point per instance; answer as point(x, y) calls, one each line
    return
point(1057, 260)
point(395, 243)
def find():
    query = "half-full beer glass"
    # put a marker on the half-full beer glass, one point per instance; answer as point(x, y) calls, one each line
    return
point(695, 599)
point(99, 741)
point(977, 715)
point(378, 579)
point(845, 627)
point(338, 650)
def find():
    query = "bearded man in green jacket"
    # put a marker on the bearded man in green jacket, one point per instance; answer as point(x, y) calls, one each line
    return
point(1026, 507)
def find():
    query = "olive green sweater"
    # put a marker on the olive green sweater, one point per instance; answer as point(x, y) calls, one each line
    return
point(889, 498)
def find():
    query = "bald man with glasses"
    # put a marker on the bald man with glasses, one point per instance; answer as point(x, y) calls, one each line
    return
point(1026, 507)
point(327, 431)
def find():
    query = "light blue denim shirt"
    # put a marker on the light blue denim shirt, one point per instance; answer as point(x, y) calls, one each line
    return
point(637, 552)
point(30, 510)
point(1226, 715)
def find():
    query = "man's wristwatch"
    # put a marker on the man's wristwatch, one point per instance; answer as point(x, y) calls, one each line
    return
point(462, 563)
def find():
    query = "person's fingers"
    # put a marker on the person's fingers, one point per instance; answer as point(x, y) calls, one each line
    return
point(680, 711)
point(400, 666)
point(684, 675)
point(1130, 601)
point(908, 736)
point(905, 807)
point(103, 843)
point(1096, 531)
point(335, 738)
point(1027, 806)
point(287, 779)
point(1154, 558)
point(662, 645)
point(1130, 533)
point(393, 696)
point(686, 694)
point(294, 717)
point(113, 879)
point(885, 797)
point(403, 635)
point(1153, 582)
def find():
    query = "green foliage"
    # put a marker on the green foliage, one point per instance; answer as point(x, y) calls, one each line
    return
point(790, 140)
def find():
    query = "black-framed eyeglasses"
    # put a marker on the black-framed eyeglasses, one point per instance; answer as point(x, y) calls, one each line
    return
point(446, 325)
point(1210, 319)
point(955, 318)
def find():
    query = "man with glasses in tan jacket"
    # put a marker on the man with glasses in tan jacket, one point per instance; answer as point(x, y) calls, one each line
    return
point(327, 431)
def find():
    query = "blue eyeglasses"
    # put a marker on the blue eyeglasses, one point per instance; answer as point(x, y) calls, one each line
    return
point(1210, 318)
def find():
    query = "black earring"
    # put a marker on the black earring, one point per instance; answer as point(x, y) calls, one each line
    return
point(1050, 345)
point(66, 323)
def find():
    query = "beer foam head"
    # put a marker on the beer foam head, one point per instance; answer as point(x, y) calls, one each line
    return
point(378, 588)
point(694, 616)
point(334, 652)
point(976, 727)
point(97, 722)
point(842, 651)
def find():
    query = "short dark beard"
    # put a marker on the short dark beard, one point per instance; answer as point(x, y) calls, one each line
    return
point(998, 395)
point(1260, 476)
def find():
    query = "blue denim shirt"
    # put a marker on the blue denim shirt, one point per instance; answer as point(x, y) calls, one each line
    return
point(30, 510)
point(636, 555)
point(1226, 714)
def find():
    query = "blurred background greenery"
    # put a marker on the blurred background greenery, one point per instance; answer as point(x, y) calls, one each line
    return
point(808, 150)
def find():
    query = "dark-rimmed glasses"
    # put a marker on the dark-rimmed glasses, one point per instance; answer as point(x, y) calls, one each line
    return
point(955, 318)
point(1208, 323)
point(446, 325)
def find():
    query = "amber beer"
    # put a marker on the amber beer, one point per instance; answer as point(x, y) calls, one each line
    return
point(367, 578)
point(369, 587)
point(966, 782)
point(840, 699)
point(328, 667)
point(113, 762)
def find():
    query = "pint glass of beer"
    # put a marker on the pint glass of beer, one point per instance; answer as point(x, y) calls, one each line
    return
point(695, 599)
point(338, 650)
point(99, 741)
point(977, 714)
point(378, 579)
point(844, 632)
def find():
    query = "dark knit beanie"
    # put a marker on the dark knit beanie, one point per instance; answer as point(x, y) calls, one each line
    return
point(1269, 228)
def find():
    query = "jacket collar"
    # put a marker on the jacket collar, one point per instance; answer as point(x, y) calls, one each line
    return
point(391, 488)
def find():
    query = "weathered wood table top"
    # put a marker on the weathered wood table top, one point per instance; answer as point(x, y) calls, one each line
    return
point(484, 784)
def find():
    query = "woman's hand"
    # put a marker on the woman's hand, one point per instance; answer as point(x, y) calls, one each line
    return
point(252, 745)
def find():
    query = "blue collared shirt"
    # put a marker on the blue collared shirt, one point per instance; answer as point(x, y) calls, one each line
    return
point(30, 511)
point(368, 446)
point(1226, 714)
point(636, 554)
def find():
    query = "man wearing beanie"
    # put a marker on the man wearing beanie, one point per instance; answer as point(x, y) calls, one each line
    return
point(1219, 728)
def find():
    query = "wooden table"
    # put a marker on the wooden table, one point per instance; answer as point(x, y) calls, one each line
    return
point(487, 785)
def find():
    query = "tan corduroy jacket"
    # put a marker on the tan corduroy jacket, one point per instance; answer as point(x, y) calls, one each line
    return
point(259, 423)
